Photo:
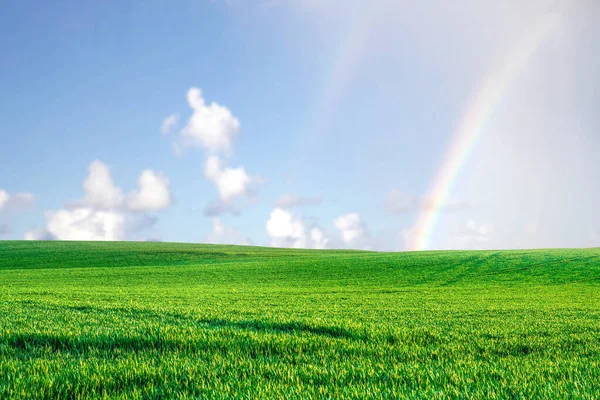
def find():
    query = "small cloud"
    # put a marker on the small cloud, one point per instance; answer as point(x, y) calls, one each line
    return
point(231, 183)
point(290, 201)
point(99, 187)
point(354, 231)
point(287, 230)
point(222, 234)
point(3, 198)
point(169, 123)
point(211, 126)
point(319, 238)
point(16, 201)
point(153, 193)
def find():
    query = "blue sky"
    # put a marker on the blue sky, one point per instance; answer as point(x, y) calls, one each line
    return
point(346, 113)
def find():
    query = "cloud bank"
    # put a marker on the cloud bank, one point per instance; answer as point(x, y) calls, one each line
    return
point(287, 230)
point(105, 213)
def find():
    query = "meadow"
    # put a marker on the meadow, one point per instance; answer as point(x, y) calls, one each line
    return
point(159, 320)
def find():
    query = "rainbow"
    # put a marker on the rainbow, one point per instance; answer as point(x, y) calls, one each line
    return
point(478, 114)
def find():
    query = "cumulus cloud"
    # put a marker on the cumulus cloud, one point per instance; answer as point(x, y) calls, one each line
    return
point(92, 224)
point(100, 190)
point(211, 126)
point(214, 128)
point(16, 201)
point(105, 213)
point(86, 224)
point(353, 230)
point(287, 230)
point(230, 182)
point(221, 234)
point(290, 201)
point(169, 123)
point(318, 238)
point(153, 192)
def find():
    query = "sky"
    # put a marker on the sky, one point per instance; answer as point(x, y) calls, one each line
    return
point(387, 125)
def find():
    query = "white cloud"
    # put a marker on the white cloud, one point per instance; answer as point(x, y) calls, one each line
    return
point(15, 202)
point(169, 123)
point(354, 231)
point(91, 224)
point(222, 234)
point(319, 238)
point(230, 182)
point(86, 224)
point(3, 198)
point(470, 236)
point(100, 190)
point(212, 127)
point(104, 213)
point(153, 194)
point(286, 230)
point(289, 201)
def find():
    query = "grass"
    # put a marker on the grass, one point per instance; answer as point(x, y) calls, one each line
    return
point(160, 320)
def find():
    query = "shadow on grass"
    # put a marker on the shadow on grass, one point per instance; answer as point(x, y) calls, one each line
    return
point(294, 328)
point(145, 340)
point(154, 341)
point(170, 318)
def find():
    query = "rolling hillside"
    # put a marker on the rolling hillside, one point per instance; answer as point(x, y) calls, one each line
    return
point(161, 320)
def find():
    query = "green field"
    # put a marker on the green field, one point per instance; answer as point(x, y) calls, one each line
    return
point(159, 320)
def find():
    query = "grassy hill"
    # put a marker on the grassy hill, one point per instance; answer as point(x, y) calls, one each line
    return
point(161, 320)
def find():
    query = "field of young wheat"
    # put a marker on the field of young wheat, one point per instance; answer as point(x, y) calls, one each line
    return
point(159, 320)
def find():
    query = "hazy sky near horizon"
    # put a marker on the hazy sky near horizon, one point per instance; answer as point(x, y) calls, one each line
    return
point(302, 123)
